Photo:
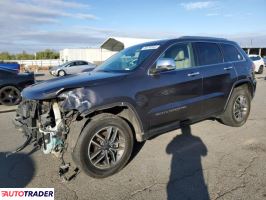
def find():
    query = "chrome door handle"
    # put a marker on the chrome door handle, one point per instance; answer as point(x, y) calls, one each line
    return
point(228, 68)
point(193, 74)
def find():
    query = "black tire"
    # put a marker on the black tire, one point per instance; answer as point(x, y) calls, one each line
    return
point(260, 70)
point(9, 96)
point(229, 117)
point(61, 73)
point(82, 155)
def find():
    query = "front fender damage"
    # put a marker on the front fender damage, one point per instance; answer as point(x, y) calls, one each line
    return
point(46, 124)
point(79, 99)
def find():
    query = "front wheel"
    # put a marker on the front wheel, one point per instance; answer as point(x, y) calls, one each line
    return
point(238, 108)
point(61, 73)
point(105, 146)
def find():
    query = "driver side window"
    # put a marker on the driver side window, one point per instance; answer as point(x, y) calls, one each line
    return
point(181, 54)
point(72, 64)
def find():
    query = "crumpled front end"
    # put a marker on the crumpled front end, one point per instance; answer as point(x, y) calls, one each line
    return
point(42, 121)
point(46, 125)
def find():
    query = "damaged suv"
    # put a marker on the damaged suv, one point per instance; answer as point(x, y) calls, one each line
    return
point(142, 91)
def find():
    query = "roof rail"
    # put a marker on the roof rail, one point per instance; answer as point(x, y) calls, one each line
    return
point(201, 37)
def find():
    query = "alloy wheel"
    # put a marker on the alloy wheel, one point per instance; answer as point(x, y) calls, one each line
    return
point(240, 108)
point(10, 96)
point(106, 147)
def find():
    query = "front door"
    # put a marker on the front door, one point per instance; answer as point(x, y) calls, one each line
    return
point(174, 95)
point(73, 68)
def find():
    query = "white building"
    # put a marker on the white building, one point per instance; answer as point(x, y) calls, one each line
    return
point(93, 55)
point(97, 55)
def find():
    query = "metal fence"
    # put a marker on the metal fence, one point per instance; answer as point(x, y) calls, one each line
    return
point(39, 63)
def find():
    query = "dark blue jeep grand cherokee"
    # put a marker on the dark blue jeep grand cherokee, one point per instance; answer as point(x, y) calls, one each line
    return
point(140, 92)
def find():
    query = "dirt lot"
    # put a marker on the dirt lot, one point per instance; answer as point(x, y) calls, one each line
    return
point(215, 162)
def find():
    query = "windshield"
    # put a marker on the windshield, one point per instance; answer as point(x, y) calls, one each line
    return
point(128, 59)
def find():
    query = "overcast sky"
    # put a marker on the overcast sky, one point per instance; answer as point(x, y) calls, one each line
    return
point(33, 25)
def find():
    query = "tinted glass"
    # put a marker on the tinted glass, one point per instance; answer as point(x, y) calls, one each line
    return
point(230, 53)
point(81, 63)
point(208, 53)
point(72, 64)
point(181, 53)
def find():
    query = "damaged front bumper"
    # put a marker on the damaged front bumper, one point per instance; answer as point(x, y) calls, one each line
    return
point(26, 122)
point(46, 128)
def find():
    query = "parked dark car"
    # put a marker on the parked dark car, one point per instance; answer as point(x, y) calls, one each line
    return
point(11, 83)
point(141, 92)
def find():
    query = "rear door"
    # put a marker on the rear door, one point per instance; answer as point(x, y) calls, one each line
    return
point(175, 95)
point(83, 66)
point(218, 76)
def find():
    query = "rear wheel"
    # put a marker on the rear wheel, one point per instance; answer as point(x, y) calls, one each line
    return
point(9, 96)
point(238, 108)
point(104, 146)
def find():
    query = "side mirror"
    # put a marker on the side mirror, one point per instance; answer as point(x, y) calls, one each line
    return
point(165, 64)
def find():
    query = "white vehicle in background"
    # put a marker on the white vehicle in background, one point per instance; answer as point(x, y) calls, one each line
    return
point(258, 62)
point(72, 67)
point(264, 59)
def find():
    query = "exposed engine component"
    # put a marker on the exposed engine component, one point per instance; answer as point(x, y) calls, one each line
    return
point(52, 140)
point(47, 127)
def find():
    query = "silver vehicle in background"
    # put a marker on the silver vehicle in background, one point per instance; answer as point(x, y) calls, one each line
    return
point(72, 67)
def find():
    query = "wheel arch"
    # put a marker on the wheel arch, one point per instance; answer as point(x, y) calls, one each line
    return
point(12, 85)
point(124, 110)
point(121, 109)
point(241, 83)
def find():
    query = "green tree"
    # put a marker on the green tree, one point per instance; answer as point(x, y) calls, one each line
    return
point(47, 54)
point(6, 56)
point(25, 56)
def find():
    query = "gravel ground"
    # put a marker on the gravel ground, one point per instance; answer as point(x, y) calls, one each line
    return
point(214, 162)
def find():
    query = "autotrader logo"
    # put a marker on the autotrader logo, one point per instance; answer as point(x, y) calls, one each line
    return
point(27, 193)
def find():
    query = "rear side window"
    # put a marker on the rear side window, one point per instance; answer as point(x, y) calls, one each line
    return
point(82, 63)
point(208, 53)
point(231, 53)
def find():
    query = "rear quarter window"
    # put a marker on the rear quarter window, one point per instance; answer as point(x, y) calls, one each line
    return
point(231, 53)
point(208, 53)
